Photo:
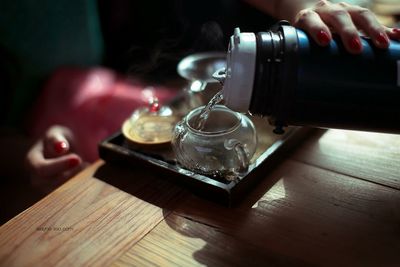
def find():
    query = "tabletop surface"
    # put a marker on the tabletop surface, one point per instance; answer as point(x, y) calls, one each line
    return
point(333, 201)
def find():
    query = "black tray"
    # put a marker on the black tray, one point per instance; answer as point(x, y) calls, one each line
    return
point(271, 148)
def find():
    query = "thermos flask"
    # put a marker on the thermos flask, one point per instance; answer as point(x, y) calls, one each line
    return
point(284, 75)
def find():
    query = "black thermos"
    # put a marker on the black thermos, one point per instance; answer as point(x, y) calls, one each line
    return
point(286, 76)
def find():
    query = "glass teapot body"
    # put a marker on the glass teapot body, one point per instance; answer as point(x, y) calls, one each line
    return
point(224, 146)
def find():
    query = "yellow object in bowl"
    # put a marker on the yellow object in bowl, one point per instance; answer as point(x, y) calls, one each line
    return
point(147, 128)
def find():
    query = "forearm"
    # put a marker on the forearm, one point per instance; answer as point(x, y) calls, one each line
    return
point(281, 9)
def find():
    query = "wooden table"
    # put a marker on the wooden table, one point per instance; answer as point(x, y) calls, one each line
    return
point(334, 201)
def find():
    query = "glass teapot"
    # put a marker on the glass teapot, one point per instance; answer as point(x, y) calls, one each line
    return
point(224, 146)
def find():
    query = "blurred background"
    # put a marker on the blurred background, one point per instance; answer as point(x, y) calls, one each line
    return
point(140, 39)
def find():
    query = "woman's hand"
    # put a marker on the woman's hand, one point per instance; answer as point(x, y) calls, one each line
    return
point(52, 159)
point(322, 18)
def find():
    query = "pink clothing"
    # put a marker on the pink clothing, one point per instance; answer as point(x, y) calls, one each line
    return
point(93, 103)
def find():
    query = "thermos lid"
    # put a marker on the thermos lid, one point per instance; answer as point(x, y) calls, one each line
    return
point(240, 71)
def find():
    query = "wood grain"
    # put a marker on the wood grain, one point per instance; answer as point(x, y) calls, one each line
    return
point(371, 156)
point(86, 222)
point(313, 215)
point(178, 241)
point(335, 201)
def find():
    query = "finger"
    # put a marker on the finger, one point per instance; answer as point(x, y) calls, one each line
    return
point(312, 23)
point(34, 161)
point(340, 21)
point(393, 33)
point(44, 168)
point(366, 21)
point(56, 142)
point(45, 184)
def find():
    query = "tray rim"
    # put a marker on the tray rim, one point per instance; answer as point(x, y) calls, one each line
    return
point(224, 193)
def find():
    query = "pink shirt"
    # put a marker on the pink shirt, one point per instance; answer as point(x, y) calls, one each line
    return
point(93, 103)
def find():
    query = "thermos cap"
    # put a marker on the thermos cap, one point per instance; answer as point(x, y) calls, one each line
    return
point(240, 71)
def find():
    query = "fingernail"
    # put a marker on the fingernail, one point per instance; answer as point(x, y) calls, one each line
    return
point(355, 44)
point(60, 147)
point(323, 37)
point(382, 39)
point(73, 162)
point(396, 31)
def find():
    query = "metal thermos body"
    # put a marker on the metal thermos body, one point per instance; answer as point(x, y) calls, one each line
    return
point(297, 82)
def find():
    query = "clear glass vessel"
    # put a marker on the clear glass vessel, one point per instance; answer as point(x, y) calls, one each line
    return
point(223, 148)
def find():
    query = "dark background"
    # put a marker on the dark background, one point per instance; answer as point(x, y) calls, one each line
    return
point(150, 37)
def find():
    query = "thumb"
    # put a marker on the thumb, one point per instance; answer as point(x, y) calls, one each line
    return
point(56, 142)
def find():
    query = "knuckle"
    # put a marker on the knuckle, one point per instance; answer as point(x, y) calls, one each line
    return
point(56, 126)
point(54, 129)
point(51, 129)
point(363, 12)
point(343, 4)
point(304, 14)
point(339, 12)
point(322, 3)
point(49, 133)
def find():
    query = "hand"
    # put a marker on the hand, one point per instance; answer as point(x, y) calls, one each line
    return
point(323, 18)
point(51, 160)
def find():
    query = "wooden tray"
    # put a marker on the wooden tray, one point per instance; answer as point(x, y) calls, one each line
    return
point(271, 148)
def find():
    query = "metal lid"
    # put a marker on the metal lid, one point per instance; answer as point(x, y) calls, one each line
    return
point(240, 71)
point(151, 125)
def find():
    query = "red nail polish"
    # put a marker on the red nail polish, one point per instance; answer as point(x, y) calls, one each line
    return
point(73, 162)
point(396, 31)
point(355, 44)
point(382, 39)
point(323, 37)
point(60, 147)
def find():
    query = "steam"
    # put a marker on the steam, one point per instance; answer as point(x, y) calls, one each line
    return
point(159, 62)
